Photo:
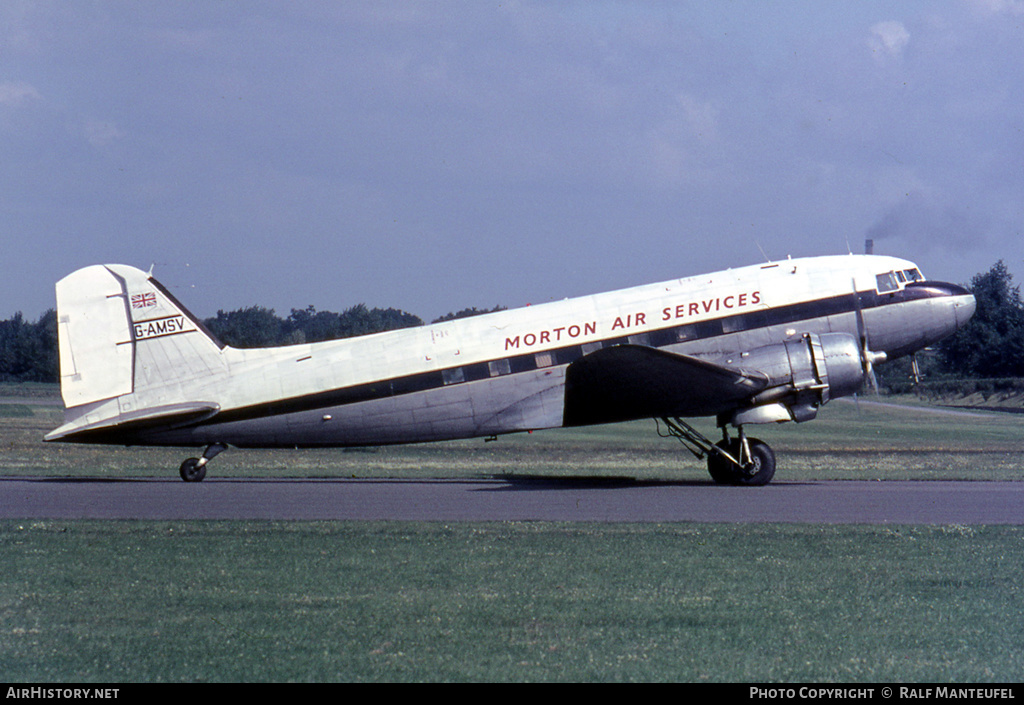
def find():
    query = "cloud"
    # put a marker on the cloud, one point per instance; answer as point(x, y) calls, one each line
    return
point(679, 147)
point(888, 38)
point(17, 94)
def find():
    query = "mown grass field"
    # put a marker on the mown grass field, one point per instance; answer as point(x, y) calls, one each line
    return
point(128, 601)
point(871, 439)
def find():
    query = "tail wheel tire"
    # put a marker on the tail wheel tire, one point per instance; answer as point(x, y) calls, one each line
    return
point(192, 471)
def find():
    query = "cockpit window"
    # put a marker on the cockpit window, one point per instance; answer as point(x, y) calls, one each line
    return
point(913, 275)
point(887, 282)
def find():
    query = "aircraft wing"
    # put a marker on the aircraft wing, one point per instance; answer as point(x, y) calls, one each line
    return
point(631, 381)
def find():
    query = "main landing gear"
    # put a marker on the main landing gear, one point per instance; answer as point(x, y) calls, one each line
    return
point(731, 461)
point(194, 469)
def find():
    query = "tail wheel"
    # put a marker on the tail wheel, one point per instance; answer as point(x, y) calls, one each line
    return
point(192, 471)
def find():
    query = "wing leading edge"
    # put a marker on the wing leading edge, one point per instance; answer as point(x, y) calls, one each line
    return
point(632, 381)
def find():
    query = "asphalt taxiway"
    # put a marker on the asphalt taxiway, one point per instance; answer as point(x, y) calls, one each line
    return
point(514, 499)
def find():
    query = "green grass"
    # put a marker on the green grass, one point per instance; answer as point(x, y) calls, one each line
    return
point(130, 601)
point(868, 440)
point(261, 601)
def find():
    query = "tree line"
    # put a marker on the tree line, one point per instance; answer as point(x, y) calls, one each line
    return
point(990, 347)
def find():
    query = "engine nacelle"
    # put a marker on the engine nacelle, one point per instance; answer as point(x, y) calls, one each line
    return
point(803, 374)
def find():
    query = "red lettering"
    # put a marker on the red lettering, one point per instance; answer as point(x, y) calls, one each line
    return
point(695, 308)
point(546, 337)
point(633, 319)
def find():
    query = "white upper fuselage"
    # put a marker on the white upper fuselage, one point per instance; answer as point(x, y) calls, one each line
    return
point(305, 369)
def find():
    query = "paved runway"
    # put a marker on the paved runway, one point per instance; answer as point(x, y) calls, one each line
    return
point(522, 499)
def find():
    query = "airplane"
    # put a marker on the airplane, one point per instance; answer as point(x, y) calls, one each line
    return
point(759, 344)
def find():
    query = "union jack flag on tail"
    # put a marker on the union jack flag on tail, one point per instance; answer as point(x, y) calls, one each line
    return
point(143, 300)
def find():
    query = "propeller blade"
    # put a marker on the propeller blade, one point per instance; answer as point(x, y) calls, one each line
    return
point(868, 359)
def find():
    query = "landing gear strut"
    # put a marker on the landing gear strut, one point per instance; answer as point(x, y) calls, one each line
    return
point(194, 469)
point(731, 461)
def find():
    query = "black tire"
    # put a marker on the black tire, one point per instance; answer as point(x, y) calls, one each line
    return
point(721, 470)
point(762, 465)
point(759, 473)
point(192, 471)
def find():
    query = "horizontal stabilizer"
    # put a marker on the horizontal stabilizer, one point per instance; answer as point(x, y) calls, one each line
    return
point(634, 381)
point(170, 416)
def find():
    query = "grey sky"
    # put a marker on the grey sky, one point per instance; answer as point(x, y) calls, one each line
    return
point(437, 155)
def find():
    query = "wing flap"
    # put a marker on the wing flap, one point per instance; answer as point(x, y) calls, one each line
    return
point(633, 381)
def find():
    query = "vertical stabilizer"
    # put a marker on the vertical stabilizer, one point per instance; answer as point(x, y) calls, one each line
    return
point(173, 351)
point(120, 332)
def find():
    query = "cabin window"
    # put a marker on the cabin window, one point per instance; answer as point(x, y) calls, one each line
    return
point(887, 282)
point(499, 367)
point(475, 372)
point(569, 355)
point(454, 375)
point(544, 359)
point(734, 324)
point(685, 333)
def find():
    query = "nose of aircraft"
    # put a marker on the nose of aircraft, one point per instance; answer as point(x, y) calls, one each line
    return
point(954, 305)
point(961, 300)
point(964, 306)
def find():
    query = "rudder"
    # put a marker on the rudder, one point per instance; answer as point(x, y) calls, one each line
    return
point(93, 337)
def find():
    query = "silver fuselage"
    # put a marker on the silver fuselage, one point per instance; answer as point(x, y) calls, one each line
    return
point(506, 372)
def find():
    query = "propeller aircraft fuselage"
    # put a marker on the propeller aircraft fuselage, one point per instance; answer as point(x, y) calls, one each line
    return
point(757, 344)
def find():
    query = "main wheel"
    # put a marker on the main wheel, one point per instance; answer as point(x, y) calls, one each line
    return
point(761, 468)
point(758, 471)
point(192, 471)
point(722, 471)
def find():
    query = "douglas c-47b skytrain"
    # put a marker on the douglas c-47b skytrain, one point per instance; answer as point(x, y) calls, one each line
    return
point(758, 344)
